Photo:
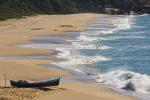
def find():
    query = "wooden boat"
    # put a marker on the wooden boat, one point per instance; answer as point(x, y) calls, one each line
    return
point(26, 84)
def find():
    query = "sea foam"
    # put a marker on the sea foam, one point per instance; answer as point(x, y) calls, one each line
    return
point(120, 78)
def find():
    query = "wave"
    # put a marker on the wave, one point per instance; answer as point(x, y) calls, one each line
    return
point(90, 46)
point(105, 32)
point(127, 80)
point(87, 39)
point(111, 25)
point(125, 24)
point(119, 24)
point(82, 60)
point(63, 52)
point(144, 15)
point(77, 59)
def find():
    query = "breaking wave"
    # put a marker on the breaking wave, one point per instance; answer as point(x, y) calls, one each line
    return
point(127, 80)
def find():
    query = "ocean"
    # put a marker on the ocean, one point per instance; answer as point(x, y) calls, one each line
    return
point(113, 49)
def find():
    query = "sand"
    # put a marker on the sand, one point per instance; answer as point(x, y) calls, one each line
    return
point(27, 70)
point(83, 91)
point(20, 31)
point(14, 32)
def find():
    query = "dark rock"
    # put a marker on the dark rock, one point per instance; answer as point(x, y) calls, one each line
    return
point(129, 86)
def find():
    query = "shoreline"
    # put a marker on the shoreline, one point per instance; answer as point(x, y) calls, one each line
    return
point(16, 32)
point(73, 91)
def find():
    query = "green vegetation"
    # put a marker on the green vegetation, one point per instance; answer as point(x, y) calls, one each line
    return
point(19, 8)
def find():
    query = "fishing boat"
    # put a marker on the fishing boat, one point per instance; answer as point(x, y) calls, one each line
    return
point(26, 84)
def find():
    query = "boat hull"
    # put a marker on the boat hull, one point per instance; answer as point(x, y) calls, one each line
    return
point(24, 84)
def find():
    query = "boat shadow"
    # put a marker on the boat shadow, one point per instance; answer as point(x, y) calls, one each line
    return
point(45, 89)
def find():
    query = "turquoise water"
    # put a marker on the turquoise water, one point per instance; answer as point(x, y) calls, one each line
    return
point(130, 48)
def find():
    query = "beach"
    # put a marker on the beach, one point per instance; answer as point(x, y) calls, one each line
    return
point(15, 32)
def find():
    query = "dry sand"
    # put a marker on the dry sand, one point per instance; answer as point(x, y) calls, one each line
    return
point(20, 31)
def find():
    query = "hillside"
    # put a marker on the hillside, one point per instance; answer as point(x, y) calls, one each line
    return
point(19, 8)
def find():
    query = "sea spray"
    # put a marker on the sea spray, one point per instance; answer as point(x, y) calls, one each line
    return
point(120, 78)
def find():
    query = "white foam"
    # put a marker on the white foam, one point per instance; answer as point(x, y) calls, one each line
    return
point(86, 38)
point(124, 23)
point(120, 79)
point(90, 46)
point(114, 23)
point(81, 60)
point(63, 52)
point(86, 41)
